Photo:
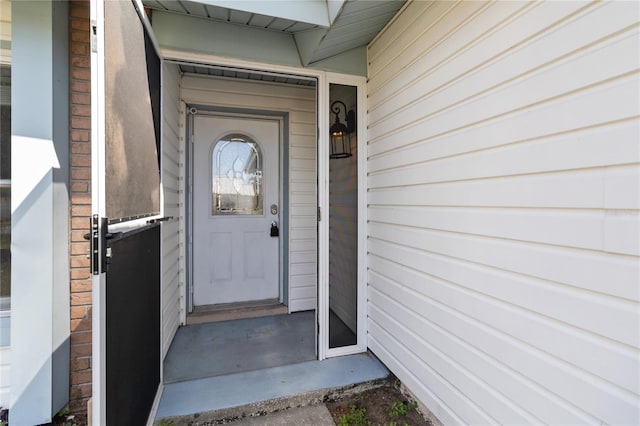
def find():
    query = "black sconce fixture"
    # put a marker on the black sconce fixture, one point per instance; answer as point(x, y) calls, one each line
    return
point(340, 133)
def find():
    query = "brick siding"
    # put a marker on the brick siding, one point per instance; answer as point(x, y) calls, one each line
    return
point(80, 104)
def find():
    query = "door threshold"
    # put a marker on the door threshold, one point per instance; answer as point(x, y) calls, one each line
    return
point(235, 311)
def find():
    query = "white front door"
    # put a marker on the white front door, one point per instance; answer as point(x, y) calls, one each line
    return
point(236, 210)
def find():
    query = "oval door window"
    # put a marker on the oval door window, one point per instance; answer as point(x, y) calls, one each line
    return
point(236, 166)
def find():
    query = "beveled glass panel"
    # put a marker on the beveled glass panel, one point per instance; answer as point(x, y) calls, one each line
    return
point(237, 180)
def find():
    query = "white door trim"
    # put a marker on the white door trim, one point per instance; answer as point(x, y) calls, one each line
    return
point(98, 206)
point(323, 169)
point(322, 312)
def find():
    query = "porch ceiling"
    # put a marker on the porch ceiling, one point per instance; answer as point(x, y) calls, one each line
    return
point(244, 74)
point(321, 29)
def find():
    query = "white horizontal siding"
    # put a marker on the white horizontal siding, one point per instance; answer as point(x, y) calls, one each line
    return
point(5, 376)
point(300, 103)
point(172, 259)
point(504, 209)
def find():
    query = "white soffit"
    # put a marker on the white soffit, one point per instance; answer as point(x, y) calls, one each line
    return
point(321, 28)
point(308, 11)
point(271, 15)
point(356, 25)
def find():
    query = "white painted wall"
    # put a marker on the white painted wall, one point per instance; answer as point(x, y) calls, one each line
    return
point(39, 211)
point(173, 202)
point(504, 197)
point(300, 103)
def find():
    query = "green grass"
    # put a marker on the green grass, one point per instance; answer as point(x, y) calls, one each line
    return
point(399, 409)
point(5, 233)
point(5, 279)
point(355, 417)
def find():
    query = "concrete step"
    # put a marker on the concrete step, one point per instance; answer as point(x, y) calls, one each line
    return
point(222, 399)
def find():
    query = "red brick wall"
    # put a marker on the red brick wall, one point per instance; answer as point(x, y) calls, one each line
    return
point(80, 101)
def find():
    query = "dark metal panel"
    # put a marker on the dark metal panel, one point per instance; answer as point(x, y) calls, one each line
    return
point(133, 326)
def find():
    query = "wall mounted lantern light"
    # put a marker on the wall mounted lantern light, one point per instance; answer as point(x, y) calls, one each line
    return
point(341, 133)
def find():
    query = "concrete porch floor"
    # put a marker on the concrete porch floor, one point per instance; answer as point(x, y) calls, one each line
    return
point(219, 348)
point(270, 386)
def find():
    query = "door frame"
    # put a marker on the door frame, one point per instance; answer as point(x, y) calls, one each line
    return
point(322, 111)
point(323, 291)
point(323, 79)
point(194, 110)
point(98, 204)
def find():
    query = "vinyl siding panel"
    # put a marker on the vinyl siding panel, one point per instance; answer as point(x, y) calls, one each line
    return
point(5, 374)
point(504, 209)
point(300, 103)
point(173, 199)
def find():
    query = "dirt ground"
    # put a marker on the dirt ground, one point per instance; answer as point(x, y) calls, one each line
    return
point(68, 420)
point(383, 406)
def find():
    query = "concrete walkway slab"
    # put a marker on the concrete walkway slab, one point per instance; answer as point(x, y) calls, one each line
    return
point(316, 415)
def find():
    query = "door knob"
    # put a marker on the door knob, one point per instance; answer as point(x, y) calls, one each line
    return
point(274, 229)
